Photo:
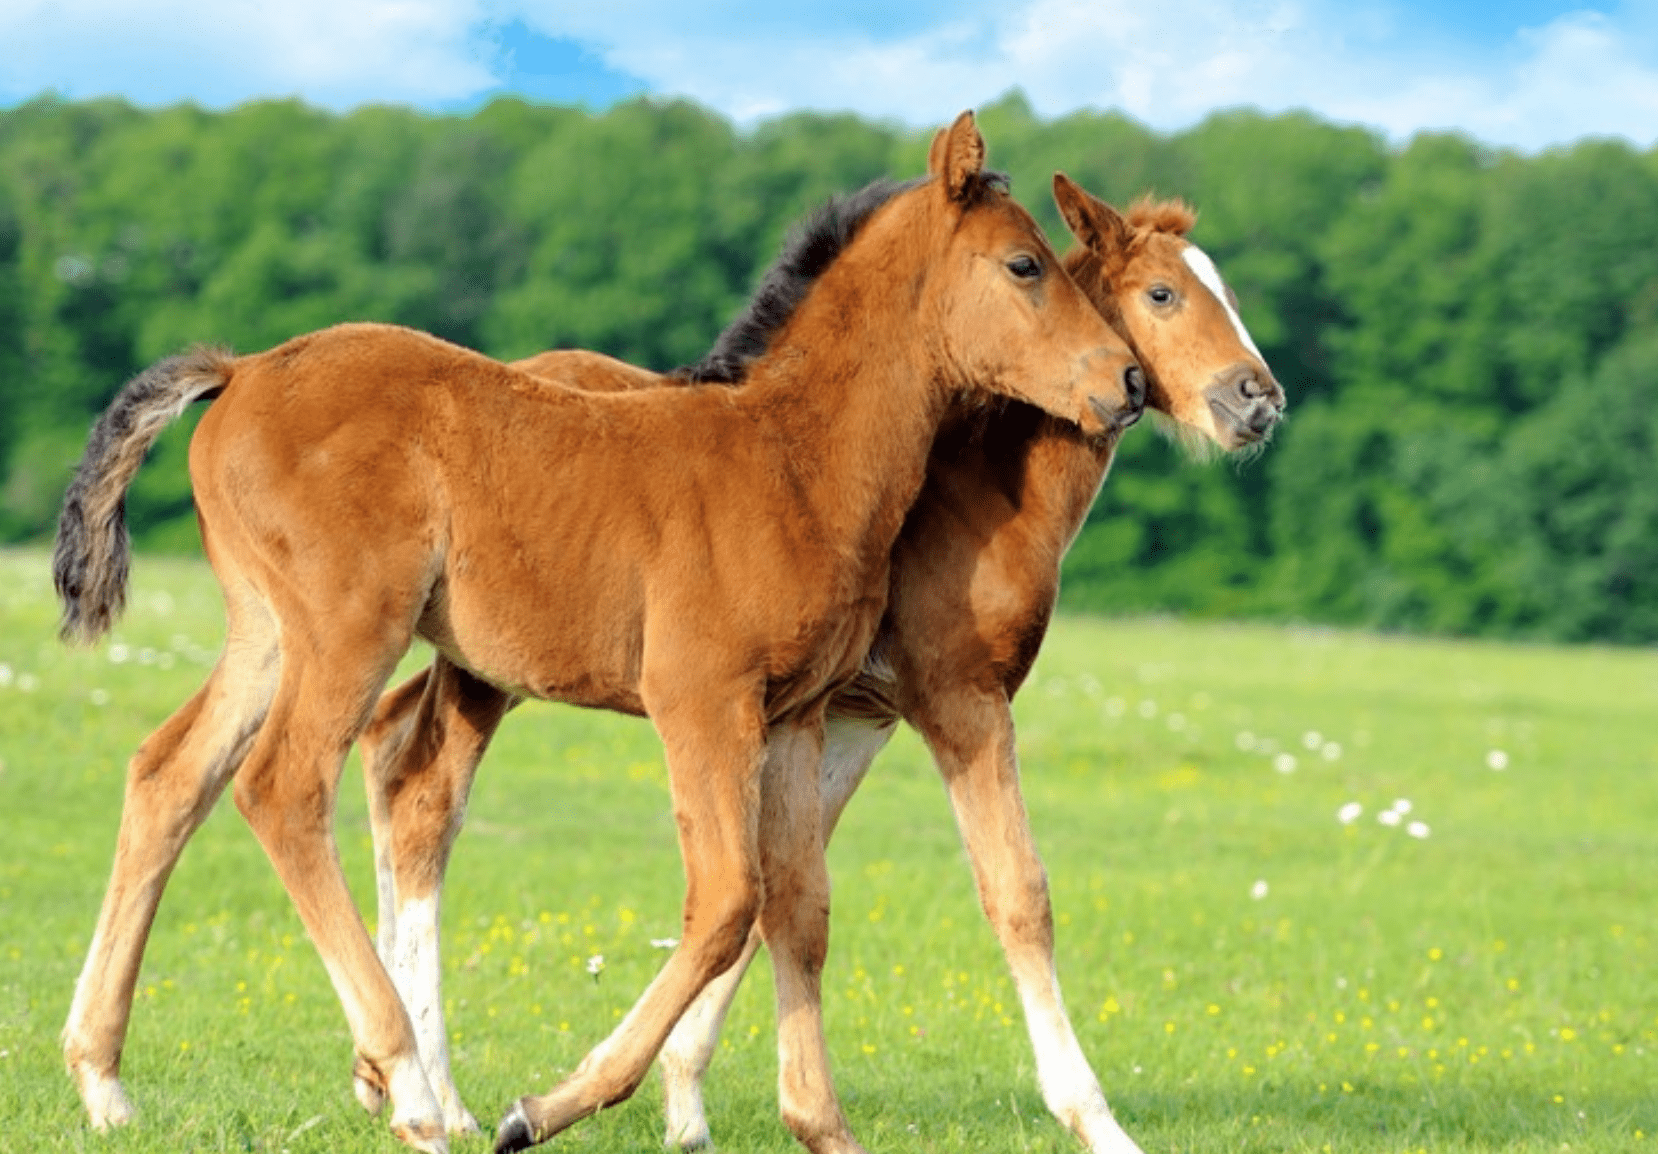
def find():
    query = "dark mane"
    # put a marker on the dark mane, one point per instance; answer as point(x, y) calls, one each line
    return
point(811, 248)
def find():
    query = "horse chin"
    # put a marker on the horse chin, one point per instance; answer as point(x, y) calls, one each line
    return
point(1103, 417)
point(1235, 430)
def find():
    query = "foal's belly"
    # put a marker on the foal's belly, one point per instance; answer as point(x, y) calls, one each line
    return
point(539, 645)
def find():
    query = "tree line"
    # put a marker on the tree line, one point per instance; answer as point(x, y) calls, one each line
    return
point(1468, 336)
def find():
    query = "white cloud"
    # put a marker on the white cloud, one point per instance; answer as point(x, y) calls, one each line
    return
point(1168, 63)
point(219, 52)
point(1576, 76)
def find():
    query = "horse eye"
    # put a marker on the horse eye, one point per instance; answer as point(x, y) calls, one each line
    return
point(1161, 295)
point(1025, 267)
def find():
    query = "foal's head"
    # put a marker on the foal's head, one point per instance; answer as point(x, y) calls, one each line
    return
point(998, 304)
point(1165, 295)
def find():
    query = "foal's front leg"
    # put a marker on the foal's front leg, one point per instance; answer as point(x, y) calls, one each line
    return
point(850, 744)
point(972, 740)
point(715, 744)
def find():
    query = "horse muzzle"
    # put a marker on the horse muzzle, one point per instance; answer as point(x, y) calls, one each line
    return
point(1246, 405)
point(1115, 415)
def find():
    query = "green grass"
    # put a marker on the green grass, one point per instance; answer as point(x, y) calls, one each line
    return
point(1489, 987)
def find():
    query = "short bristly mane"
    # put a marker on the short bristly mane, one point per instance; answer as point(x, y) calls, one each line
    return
point(811, 248)
point(1174, 216)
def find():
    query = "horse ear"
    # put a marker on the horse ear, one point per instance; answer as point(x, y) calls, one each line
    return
point(957, 155)
point(1095, 224)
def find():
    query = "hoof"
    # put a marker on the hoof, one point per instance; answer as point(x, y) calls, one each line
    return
point(368, 1086)
point(369, 1096)
point(689, 1138)
point(463, 1124)
point(107, 1104)
point(515, 1132)
point(426, 1137)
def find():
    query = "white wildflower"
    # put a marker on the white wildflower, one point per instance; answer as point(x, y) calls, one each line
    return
point(1389, 817)
point(1402, 804)
point(1331, 751)
point(1312, 739)
point(1496, 760)
point(1418, 829)
point(1258, 890)
point(1284, 763)
point(1349, 813)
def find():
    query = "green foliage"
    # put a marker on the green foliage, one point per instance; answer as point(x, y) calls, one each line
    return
point(1472, 469)
point(1459, 330)
point(631, 248)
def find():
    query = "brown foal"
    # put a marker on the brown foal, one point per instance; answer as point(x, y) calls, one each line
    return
point(974, 577)
point(715, 558)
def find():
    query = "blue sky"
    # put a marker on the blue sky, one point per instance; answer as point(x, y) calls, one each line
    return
point(1528, 74)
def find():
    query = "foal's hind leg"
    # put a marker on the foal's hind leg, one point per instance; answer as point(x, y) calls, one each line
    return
point(172, 783)
point(286, 791)
point(381, 744)
point(971, 736)
point(420, 754)
point(849, 746)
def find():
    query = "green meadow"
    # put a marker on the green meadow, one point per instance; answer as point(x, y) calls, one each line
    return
point(1248, 971)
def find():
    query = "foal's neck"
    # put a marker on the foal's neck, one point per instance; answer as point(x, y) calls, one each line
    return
point(1064, 470)
point(1046, 470)
point(856, 395)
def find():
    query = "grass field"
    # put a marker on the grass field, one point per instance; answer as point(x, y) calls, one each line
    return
point(1247, 971)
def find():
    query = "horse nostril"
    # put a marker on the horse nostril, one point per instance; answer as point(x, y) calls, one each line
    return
point(1251, 387)
point(1134, 387)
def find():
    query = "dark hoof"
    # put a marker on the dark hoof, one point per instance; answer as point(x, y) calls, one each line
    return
point(514, 1132)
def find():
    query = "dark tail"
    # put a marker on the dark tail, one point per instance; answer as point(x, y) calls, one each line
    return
point(89, 563)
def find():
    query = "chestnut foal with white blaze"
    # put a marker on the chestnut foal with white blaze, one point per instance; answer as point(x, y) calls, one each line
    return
point(714, 558)
point(975, 575)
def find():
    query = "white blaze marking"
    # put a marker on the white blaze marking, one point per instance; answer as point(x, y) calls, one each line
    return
point(1198, 261)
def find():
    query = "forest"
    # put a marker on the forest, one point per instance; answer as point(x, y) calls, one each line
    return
point(1468, 336)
